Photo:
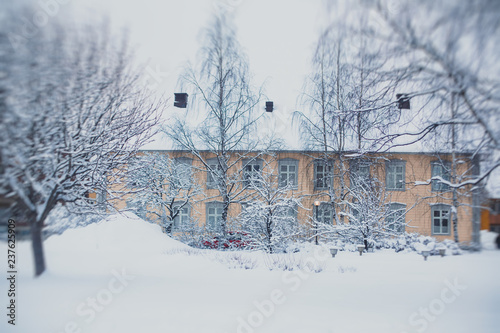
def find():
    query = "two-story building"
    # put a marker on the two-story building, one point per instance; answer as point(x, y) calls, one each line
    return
point(417, 184)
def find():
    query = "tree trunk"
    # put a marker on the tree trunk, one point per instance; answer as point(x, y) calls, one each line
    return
point(37, 244)
point(269, 232)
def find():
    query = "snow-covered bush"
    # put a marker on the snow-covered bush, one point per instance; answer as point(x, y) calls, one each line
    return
point(234, 260)
point(406, 242)
point(294, 261)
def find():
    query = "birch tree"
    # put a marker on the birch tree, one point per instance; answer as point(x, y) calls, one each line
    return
point(226, 102)
point(348, 106)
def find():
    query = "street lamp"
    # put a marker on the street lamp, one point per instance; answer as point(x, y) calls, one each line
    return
point(316, 204)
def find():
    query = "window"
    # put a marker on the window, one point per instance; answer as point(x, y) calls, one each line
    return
point(395, 219)
point(288, 170)
point(214, 215)
point(440, 219)
point(395, 175)
point(215, 167)
point(323, 175)
point(252, 169)
point(324, 213)
point(440, 169)
point(183, 169)
point(182, 217)
point(359, 171)
point(289, 213)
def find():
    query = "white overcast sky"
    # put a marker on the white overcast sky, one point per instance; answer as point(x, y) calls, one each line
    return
point(277, 35)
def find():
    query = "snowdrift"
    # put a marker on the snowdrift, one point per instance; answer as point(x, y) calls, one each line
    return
point(117, 233)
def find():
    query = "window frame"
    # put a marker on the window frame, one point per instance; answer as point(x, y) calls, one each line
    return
point(393, 208)
point(178, 220)
point(251, 162)
point(288, 162)
point(213, 163)
point(287, 214)
point(393, 164)
point(354, 167)
point(187, 163)
point(321, 208)
point(328, 178)
point(216, 205)
point(436, 185)
point(440, 207)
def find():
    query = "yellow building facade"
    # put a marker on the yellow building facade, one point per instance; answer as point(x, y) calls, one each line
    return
point(406, 179)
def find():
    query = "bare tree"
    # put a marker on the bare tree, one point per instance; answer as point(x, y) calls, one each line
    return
point(75, 115)
point(349, 107)
point(449, 60)
point(162, 187)
point(227, 101)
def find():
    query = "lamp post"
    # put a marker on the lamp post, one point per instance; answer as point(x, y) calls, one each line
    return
point(316, 204)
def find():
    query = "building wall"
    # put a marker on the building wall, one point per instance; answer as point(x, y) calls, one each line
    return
point(417, 198)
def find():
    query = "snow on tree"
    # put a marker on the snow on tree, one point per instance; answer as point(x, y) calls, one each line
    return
point(444, 53)
point(350, 106)
point(227, 102)
point(269, 215)
point(163, 188)
point(73, 116)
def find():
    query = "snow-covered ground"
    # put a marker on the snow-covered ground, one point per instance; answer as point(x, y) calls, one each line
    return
point(124, 275)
